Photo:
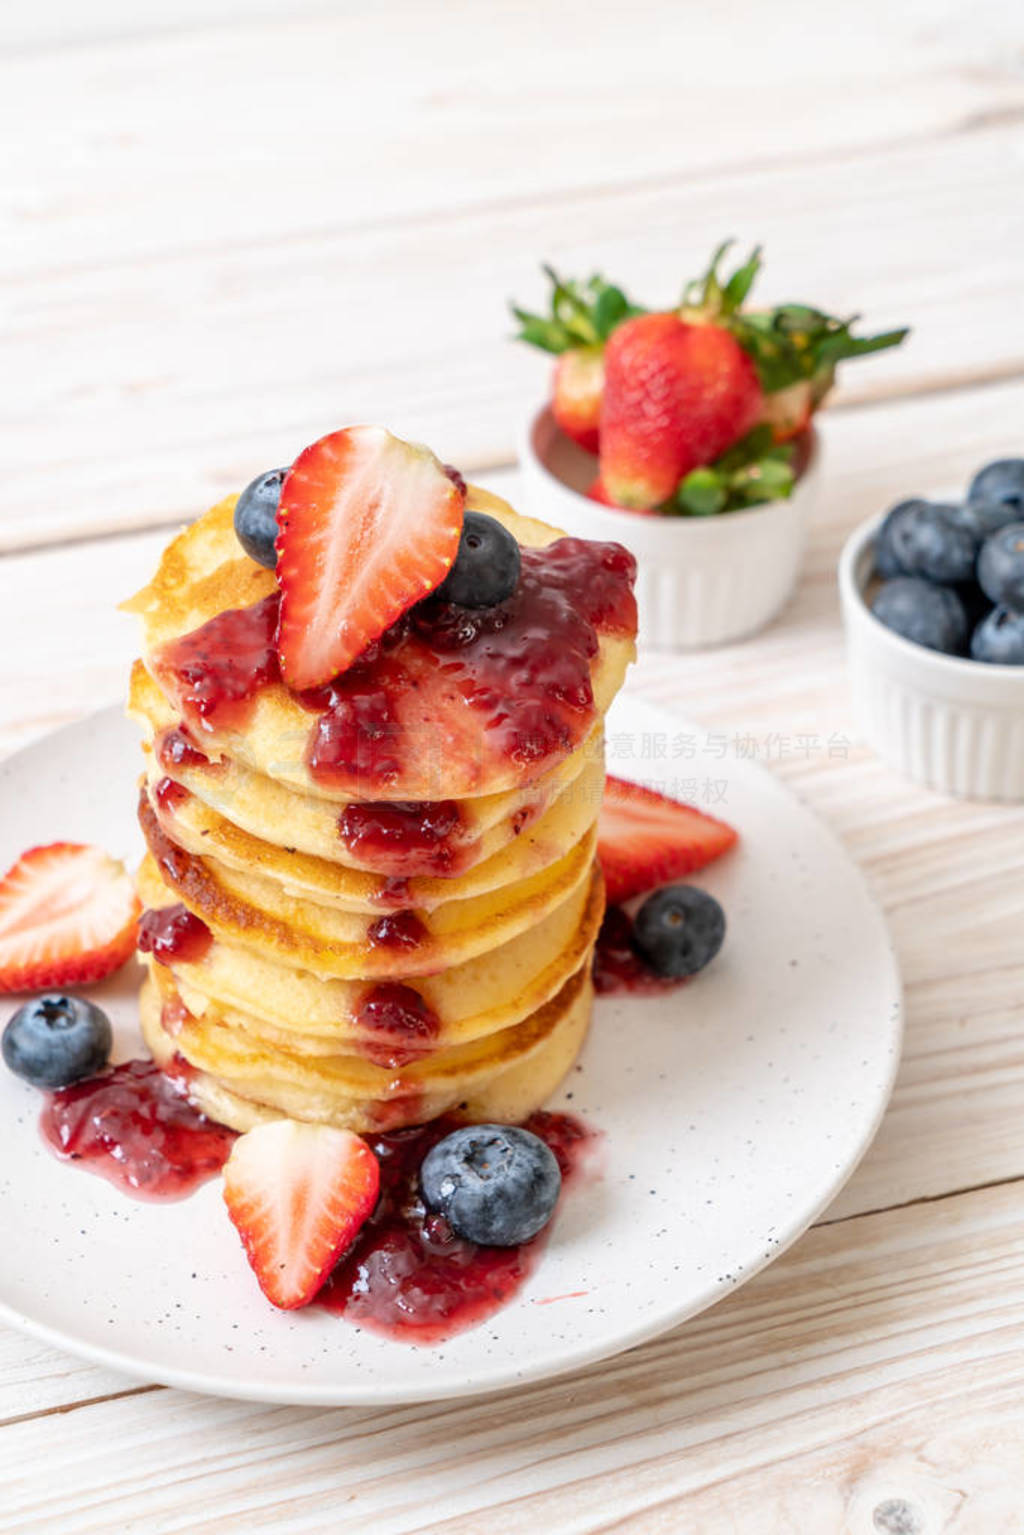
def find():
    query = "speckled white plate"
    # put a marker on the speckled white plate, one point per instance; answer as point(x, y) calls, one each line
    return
point(732, 1111)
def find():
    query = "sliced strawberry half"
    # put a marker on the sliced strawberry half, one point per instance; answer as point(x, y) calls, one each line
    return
point(646, 840)
point(67, 916)
point(369, 525)
point(298, 1194)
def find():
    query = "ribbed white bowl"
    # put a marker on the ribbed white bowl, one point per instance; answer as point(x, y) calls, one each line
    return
point(951, 724)
point(701, 580)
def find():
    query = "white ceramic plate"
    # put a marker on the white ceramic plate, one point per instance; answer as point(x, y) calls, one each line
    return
point(732, 1111)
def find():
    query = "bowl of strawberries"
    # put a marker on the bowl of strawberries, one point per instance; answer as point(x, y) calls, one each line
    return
point(687, 435)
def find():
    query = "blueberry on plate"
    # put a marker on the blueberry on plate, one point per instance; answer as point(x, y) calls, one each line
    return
point(678, 930)
point(931, 539)
point(920, 611)
point(887, 562)
point(55, 1040)
point(1001, 567)
point(256, 517)
point(1000, 484)
point(494, 1184)
point(999, 638)
point(486, 568)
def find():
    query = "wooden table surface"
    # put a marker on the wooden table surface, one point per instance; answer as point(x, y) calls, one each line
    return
point(230, 225)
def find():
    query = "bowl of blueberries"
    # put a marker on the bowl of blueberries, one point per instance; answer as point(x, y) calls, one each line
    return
point(933, 606)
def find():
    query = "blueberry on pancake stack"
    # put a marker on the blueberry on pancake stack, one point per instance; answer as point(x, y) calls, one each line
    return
point(372, 700)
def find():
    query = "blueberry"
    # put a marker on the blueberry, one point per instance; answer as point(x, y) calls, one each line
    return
point(887, 562)
point(999, 638)
point(987, 517)
point(679, 930)
point(1001, 484)
point(256, 517)
point(1001, 567)
point(927, 538)
point(53, 1041)
point(494, 1184)
point(486, 568)
point(927, 614)
point(976, 605)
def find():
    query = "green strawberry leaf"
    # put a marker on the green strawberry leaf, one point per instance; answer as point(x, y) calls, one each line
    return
point(702, 493)
point(754, 470)
point(794, 342)
point(534, 329)
point(758, 443)
point(715, 298)
point(581, 314)
point(611, 307)
point(788, 343)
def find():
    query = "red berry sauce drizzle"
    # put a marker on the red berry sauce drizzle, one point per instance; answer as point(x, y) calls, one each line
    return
point(216, 671)
point(618, 964)
point(136, 1126)
point(398, 1025)
point(407, 1275)
point(176, 748)
point(396, 930)
point(169, 794)
point(522, 666)
point(404, 838)
point(173, 932)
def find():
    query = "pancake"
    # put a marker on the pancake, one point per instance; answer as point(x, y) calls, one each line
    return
point(519, 851)
point(241, 1087)
point(256, 912)
point(396, 872)
point(423, 724)
point(296, 1009)
point(267, 809)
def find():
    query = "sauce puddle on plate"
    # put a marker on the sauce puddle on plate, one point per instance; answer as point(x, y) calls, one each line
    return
point(407, 1275)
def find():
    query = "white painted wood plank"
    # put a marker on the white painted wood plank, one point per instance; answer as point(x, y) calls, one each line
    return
point(859, 1357)
point(35, 1378)
point(306, 122)
point(167, 382)
point(193, 294)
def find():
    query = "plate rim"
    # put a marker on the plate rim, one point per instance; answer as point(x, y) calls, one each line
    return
point(363, 1393)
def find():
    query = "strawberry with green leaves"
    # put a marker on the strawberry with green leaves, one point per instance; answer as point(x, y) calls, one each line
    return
point(676, 395)
point(700, 405)
point(582, 317)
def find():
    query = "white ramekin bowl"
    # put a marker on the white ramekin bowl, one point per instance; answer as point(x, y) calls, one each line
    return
point(950, 724)
point(701, 580)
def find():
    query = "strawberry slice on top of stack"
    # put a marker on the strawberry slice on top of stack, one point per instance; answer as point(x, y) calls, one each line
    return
point(698, 409)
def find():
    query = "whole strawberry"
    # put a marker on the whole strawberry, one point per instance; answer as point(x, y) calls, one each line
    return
point(576, 392)
point(677, 394)
point(694, 410)
point(582, 317)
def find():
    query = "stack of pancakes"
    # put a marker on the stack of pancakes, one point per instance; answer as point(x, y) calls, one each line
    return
point(308, 1000)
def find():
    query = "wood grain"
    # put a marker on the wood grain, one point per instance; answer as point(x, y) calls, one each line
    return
point(191, 295)
point(836, 1381)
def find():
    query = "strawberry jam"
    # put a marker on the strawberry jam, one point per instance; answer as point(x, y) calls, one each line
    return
point(522, 668)
point(176, 748)
point(169, 794)
point(215, 671)
point(399, 1024)
point(396, 930)
point(400, 839)
point(173, 932)
point(511, 682)
point(407, 1274)
point(136, 1126)
point(618, 964)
